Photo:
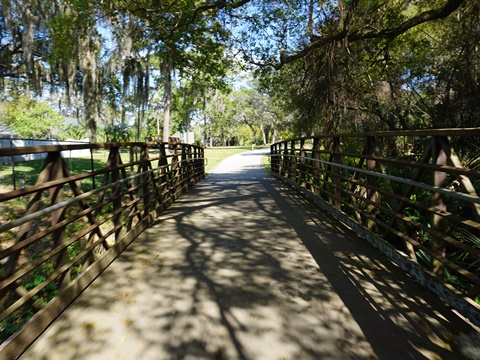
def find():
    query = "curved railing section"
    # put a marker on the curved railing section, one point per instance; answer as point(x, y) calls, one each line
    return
point(58, 232)
point(412, 194)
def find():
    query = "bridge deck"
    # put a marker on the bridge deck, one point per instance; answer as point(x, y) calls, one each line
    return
point(242, 268)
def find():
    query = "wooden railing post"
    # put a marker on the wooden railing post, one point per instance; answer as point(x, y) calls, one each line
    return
point(439, 157)
point(337, 159)
point(274, 158)
point(316, 166)
point(370, 147)
point(302, 165)
point(293, 162)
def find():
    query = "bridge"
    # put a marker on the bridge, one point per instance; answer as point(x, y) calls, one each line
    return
point(141, 257)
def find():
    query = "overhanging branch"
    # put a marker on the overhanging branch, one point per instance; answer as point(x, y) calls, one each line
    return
point(217, 5)
point(321, 41)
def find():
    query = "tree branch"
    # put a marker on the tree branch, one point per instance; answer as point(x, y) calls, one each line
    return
point(320, 41)
point(215, 5)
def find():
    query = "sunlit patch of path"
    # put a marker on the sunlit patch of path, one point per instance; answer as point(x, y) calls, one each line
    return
point(241, 267)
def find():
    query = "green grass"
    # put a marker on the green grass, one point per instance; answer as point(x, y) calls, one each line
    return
point(26, 172)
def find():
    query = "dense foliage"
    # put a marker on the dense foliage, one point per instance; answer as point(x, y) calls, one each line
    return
point(110, 62)
point(31, 119)
point(321, 65)
point(369, 65)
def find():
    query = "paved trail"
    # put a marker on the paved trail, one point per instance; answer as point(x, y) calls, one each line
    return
point(242, 268)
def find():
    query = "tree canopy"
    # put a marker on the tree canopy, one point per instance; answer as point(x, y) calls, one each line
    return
point(321, 65)
point(31, 119)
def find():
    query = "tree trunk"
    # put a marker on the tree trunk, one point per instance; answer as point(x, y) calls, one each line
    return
point(167, 101)
point(264, 133)
point(211, 137)
point(126, 81)
point(254, 131)
point(89, 66)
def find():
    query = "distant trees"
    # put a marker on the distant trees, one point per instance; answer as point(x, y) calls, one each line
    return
point(241, 117)
point(28, 118)
point(257, 111)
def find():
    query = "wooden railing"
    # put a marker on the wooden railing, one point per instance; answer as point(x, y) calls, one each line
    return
point(408, 193)
point(59, 233)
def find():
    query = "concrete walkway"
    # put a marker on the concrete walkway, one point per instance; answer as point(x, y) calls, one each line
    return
point(242, 268)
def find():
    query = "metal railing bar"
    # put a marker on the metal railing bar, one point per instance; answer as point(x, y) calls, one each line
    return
point(52, 208)
point(458, 195)
point(401, 198)
point(415, 164)
point(450, 132)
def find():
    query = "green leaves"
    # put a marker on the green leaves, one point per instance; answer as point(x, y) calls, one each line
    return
point(32, 119)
